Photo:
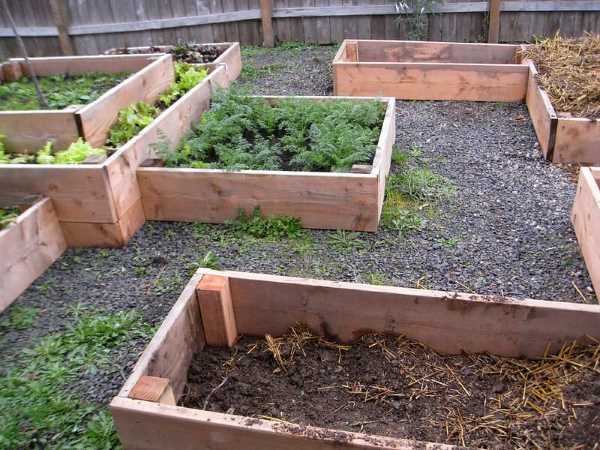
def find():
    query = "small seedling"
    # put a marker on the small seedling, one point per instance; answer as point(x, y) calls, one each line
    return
point(448, 242)
point(210, 261)
point(272, 228)
point(346, 240)
point(421, 184)
point(103, 253)
point(376, 278)
point(20, 318)
point(200, 230)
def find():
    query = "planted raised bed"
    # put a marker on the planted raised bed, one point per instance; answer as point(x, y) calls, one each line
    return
point(29, 130)
point(320, 199)
point(565, 136)
point(98, 204)
point(586, 221)
point(227, 53)
point(31, 239)
point(217, 308)
point(430, 70)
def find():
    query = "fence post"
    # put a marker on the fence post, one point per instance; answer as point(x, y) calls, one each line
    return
point(494, 20)
point(59, 16)
point(266, 17)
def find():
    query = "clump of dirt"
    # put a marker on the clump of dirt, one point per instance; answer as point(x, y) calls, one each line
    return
point(186, 52)
point(569, 70)
point(397, 387)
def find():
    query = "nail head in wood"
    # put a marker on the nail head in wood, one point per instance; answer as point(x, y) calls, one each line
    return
point(153, 389)
point(216, 309)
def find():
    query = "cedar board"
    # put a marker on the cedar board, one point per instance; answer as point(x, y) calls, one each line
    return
point(448, 322)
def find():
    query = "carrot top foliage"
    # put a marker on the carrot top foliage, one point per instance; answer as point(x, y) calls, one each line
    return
point(243, 132)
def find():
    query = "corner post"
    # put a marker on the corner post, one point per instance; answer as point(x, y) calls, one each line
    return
point(216, 310)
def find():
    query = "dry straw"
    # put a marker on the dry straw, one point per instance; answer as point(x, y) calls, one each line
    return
point(570, 73)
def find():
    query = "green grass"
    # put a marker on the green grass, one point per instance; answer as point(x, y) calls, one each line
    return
point(271, 228)
point(249, 51)
point(251, 71)
point(20, 318)
point(346, 241)
point(60, 90)
point(421, 184)
point(448, 242)
point(376, 278)
point(36, 409)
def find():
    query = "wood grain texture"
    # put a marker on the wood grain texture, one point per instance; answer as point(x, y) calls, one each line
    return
point(153, 389)
point(28, 131)
point(216, 309)
point(541, 112)
point(585, 217)
point(577, 141)
point(433, 81)
point(146, 85)
point(74, 65)
point(28, 247)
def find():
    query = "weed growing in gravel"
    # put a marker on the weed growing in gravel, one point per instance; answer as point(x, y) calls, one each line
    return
point(251, 71)
point(404, 221)
point(272, 228)
point(200, 230)
point(242, 132)
point(421, 184)
point(20, 318)
point(37, 411)
point(346, 240)
point(208, 261)
point(376, 278)
point(448, 242)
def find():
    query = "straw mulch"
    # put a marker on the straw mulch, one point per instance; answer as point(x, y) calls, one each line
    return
point(570, 73)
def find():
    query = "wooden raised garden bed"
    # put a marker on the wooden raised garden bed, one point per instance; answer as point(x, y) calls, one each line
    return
point(325, 200)
point(28, 245)
point(30, 130)
point(430, 71)
point(586, 220)
point(562, 137)
point(100, 204)
point(227, 53)
point(216, 308)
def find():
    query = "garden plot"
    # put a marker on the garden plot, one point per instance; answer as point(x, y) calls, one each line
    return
point(562, 98)
point(26, 131)
point(31, 239)
point(430, 71)
point(169, 400)
point(586, 221)
point(221, 171)
point(98, 204)
point(227, 53)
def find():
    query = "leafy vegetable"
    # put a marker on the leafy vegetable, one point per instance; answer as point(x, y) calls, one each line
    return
point(131, 121)
point(44, 156)
point(77, 152)
point(186, 77)
point(243, 132)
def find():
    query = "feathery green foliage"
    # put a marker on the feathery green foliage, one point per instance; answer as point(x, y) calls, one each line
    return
point(243, 132)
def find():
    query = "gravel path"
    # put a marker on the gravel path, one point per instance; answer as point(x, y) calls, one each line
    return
point(508, 224)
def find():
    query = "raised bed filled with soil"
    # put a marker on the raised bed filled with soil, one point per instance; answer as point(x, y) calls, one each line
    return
point(563, 100)
point(98, 203)
point(227, 53)
point(586, 221)
point(412, 70)
point(27, 130)
point(332, 198)
point(31, 239)
point(249, 361)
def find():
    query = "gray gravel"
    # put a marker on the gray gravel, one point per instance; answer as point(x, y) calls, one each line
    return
point(509, 219)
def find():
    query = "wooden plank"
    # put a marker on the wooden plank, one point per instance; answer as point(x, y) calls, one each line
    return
point(146, 425)
point(114, 234)
point(28, 247)
point(145, 85)
point(216, 310)
point(319, 200)
point(433, 81)
point(586, 221)
point(59, 16)
point(541, 112)
point(494, 20)
point(171, 349)
point(266, 18)
point(436, 52)
point(232, 58)
point(80, 193)
point(351, 51)
point(73, 65)
point(577, 141)
point(28, 131)
point(172, 124)
point(448, 322)
point(153, 389)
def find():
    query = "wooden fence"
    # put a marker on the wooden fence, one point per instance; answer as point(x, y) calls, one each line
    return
point(53, 27)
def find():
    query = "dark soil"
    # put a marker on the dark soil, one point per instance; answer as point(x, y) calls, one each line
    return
point(395, 387)
point(189, 53)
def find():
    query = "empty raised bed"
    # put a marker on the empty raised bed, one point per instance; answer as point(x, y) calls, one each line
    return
point(586, 221)
point(217, 186)
point(430, 70)
point(31, 239)
point(562, 98)
point(98, 204)
point(28, 130)
point(227, 53)
point(473, 340)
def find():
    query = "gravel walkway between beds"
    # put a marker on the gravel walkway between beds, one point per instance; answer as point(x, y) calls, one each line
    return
point(506, 231)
